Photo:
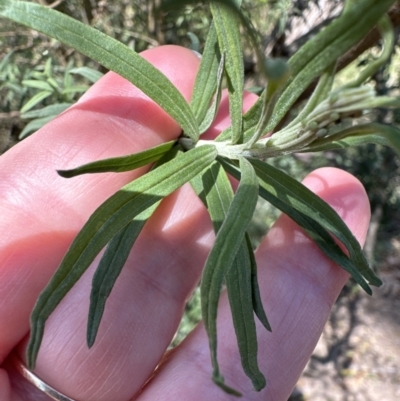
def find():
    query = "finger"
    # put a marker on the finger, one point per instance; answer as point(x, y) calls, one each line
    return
point(143, 311)
point(298, 284)
point(144, 328)
point(43, 212)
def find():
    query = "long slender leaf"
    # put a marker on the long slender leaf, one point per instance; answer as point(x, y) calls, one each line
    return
point(250, 122)
point(34, 125)
point(206, 79)
point(386, 29)
point(218, 196)
point(240, 293)
point(48, 111)
point(112, 216)
point(358, 135)
point(307, 202)
point(351, 141)
point(114, 259)
point(88, 73)
point(315, 219)
point(120, 164)
point(227, 242)
point(320, 93)
point(110, 266)
point(213, 109)
point(33, 101)
point(227, 26)
point(108, 52)
point(256, 296)
point(277, 72)
point(33, 83)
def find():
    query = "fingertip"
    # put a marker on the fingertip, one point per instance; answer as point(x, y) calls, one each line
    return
point(345, 194)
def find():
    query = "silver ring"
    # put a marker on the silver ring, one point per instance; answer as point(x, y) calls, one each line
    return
point(37, 382)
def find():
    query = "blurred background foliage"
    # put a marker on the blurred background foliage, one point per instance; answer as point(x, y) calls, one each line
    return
point(40, 77)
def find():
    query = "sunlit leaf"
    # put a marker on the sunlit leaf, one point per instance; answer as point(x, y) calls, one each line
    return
point(227, 26)
point(88, 73)
point(220, 260)
point(48, 111)
point(110, 266)
point(256, 296)
point(240, 293)
point(315, 216)
point(206, 79)
point(120, 164)
point(34, 125)
point(213, 109)
point(359, 135)
point(33, 83)
point(33, 101)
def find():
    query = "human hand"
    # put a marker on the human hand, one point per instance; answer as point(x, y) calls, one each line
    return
point(42, 212)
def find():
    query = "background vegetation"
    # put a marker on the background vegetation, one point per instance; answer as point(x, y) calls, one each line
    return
point(39, 78)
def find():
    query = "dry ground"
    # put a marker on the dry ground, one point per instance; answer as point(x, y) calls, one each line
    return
point(358, 355)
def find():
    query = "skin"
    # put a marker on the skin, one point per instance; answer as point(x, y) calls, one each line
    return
point(42, 212)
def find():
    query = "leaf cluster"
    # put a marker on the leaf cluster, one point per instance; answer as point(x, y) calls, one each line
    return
point(240, 151)
point(43, 92)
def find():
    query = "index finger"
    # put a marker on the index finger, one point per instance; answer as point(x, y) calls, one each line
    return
point(42, 212)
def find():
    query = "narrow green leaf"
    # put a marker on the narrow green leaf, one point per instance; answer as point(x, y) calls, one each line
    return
point(351, 141)
point(48, 111)
point(75, 89)
point(227, 242)
point(194, 41)
point(33, 83)
point(47, 68)
point(240, 293)
point(256, 296)
point(358, 135)
point(110, 266)
point(206, 79)
point(313, 58)
point(107, 51)
point(250, 122)
point(53, 83)
point(227, 26)
point(218, 195)
point(277, 73)
point(120, 164)
point(386, 29)
point(114, 259)
point(89, 73)
point(315, 216)
point(34, 125)
point(5, 60)
point(111, 217)
point(213, 110)
point(300, 197)
point(33, 101)
point(319, 94)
